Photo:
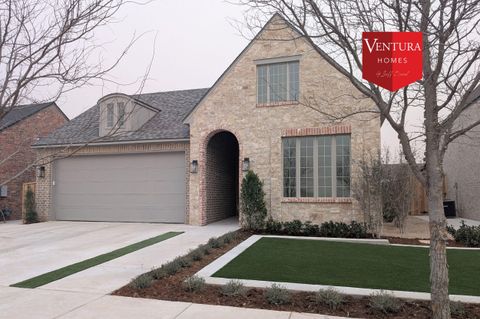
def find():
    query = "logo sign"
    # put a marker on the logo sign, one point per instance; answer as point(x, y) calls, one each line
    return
point(392, 60)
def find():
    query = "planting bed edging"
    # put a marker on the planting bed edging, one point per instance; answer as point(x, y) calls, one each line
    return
point(208, 271)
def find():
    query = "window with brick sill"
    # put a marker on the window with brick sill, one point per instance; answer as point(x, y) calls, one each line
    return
point(278, 83)
point(316, 167)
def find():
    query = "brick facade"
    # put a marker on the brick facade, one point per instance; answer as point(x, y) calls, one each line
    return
point(49, 155)
point(15, 144)
point(231, 106)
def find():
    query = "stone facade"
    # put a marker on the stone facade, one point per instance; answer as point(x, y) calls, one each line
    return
point(231, 106)
point(15, 144)
point(48, 156)
point(461, 166)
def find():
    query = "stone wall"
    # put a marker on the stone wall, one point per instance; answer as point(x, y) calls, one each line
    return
point(231, 105)
point(15, 144)
point(50, 155)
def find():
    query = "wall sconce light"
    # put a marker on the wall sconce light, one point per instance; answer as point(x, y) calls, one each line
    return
point(194, 167)
point(246, 164)
point(41, 171)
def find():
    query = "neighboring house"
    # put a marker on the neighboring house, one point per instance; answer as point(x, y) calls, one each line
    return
point(462, 163)
point(19, 128)
point(180, 156)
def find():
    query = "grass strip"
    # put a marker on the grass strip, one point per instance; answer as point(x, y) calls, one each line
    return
point(351, 265)
point(91, 262)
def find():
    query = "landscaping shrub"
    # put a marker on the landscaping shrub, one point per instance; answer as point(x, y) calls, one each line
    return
point(172, 267)
point(293, 228)
point(329, 297)
point(334, 229)
point(277, 295)
point(384, 302)
point(215, 242)
point(457, 309)
point(234, 288)
point(141, 282)
point(194, 283)
point(253, 202)
point(158, 273)
point(30, 212)
point(310, 229)
point(228, 237)
point(357, 230)
point(183, 261)
point(206, 250)
point(196, 254)
point(273, 226)
point(467, 235)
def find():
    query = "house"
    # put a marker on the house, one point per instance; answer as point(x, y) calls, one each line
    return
point(180, 156)
point(19, 128)
point(463, 179)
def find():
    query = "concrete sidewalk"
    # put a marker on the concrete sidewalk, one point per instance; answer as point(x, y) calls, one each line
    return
point(48, 304)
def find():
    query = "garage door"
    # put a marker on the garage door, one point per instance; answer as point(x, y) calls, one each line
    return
point(137, 188)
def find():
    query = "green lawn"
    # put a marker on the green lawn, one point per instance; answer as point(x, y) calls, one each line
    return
point(87, 263)
point(351, 265)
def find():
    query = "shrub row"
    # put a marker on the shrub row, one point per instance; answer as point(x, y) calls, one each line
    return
point(172, 267)
point(467, 235)
point(327, 229)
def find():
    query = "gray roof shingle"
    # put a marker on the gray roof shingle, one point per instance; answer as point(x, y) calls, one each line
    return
point(21, 112)
point(166, 124)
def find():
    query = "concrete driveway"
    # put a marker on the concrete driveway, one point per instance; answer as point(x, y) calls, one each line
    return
point(30, 250)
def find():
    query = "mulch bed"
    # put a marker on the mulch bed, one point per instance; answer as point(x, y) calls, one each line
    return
point(170, 288)
point(414, 241)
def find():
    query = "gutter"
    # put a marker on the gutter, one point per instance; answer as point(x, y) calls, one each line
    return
point(111, 143)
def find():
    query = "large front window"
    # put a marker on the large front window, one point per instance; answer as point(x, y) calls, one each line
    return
point(277, 82)
point(316, 166)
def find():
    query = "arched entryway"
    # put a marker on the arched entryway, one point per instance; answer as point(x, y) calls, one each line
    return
point(221, 176)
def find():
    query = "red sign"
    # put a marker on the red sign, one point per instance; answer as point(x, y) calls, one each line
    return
point(392, 60)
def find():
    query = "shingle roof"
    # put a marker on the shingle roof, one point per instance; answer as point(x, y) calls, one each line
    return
point(21, 112)
point(166, 124)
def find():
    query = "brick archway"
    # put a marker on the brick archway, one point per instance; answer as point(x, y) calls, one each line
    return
point(220, 178)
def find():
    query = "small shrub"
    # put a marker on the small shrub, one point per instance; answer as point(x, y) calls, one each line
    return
point(457, 309)
point(468, 235)
point(205, 249)
point(141, 282)
point(384, 302)
point(273, 226)
point(253, 202)
point(293, 228)
point(451, 230)
point(329, 297)
point(183, 261)
point(229, 237)
point(277, 295)
point(215, 242)
point(30, 212)
point(158, 273)
point(194, 284)
point(196, 254)
point(234, 288)
point(357, 230)
point(172, 267)
point(310, 229)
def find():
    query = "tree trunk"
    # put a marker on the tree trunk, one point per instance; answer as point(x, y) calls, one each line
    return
point(438, 237)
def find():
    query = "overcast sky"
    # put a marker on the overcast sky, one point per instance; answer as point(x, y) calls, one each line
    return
point(195, 43)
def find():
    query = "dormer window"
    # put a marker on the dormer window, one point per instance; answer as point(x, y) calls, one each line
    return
point(277, 82)
point(110, 114)
point(121, 114)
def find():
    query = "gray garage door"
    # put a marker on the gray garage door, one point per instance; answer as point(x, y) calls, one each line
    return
point(138, 188)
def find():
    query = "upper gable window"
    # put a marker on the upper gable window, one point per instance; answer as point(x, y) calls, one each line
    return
point(277, 82)
point(110, 114)
point(121, 114)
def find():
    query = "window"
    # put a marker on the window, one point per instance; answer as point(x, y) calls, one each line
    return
point(121, 114)
point(316, 166)
point(110, 115)
point(277, 82)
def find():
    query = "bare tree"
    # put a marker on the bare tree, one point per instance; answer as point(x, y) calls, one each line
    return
point(48, 47)
point(450, 73)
